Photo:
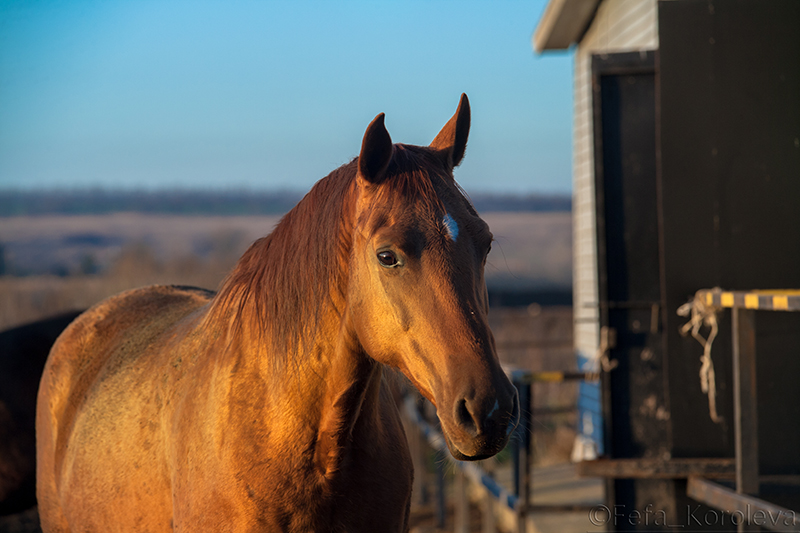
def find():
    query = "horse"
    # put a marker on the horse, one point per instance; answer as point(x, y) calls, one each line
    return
point(267, 405)
point(23, 352)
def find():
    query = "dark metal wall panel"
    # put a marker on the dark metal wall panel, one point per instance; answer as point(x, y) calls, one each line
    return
point(729, 84)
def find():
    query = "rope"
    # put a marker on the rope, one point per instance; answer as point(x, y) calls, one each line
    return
point(601, 355)
point(603, 350)
point(700, 315)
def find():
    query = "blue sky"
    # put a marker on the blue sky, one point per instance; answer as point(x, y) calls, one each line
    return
point(272, 95)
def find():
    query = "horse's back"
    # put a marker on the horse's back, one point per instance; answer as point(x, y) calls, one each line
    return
point(102, 394)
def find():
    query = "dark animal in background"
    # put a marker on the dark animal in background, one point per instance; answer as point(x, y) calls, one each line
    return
point(265, 407)
point(23, 352)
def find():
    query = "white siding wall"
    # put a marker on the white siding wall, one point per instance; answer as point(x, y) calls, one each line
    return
point(618, 26)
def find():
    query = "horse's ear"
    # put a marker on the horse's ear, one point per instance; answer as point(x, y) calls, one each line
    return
point(376, 151)
point(452, 140)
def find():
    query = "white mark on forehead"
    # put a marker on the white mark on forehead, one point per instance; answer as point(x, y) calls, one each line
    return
point(451, 225)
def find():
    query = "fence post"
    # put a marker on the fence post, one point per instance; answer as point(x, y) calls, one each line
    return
point(489, 525)
point(441, 509)
point(522, 462)
point(417, 447)
point(462, 503)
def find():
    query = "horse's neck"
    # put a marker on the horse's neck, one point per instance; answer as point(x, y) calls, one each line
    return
point(323, 392)
point(351, 384)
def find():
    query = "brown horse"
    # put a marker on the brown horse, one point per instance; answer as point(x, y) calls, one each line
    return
point(266, 407)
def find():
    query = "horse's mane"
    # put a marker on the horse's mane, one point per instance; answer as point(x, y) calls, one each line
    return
point(284, 280)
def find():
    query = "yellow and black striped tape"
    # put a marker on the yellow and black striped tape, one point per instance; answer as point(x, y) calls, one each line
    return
point(770, 300)
point(556, 377)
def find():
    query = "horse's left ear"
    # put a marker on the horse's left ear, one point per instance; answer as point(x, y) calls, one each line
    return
point(376, 151)
point(452, 140)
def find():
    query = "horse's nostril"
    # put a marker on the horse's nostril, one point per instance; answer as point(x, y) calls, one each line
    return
point(465, 419)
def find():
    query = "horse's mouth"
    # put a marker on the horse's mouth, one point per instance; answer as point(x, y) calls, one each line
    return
point(461, 457)
point(481, 449)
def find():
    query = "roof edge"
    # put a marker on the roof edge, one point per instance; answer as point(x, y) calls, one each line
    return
point(563, 23)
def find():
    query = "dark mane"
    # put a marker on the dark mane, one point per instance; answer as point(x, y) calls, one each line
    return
point(283, 281)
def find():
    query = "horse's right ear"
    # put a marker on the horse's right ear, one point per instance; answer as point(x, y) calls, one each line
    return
point(452, 140)
point(376, 151)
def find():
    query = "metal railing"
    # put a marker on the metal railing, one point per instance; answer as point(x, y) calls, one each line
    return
point(744, 501)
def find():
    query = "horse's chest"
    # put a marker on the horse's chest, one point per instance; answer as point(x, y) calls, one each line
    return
point(375, 510)
point(281, 477)
point(373, 490)
point(370, 491)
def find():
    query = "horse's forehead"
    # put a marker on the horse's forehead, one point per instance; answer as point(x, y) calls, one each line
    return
point(443, 212)
point(450, 226)
point(449, 221)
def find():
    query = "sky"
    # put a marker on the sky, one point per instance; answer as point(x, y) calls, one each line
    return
point(267, 95)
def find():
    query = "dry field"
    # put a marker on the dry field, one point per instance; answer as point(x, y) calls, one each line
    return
point(97, 256)
point(129, 250)
point(530, 249)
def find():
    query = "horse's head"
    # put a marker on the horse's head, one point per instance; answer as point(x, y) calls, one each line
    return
point(417, 295)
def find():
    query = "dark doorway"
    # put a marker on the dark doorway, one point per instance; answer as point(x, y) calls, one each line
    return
point(635, 408)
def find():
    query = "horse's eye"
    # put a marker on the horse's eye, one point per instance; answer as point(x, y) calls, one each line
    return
point(387, 258)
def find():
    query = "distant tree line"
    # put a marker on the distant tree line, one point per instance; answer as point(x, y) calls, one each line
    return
point(542, 203)
point(177, 202)
point(241, 202)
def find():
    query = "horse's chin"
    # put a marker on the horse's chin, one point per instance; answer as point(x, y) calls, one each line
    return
point(461, 457)
point(463, 454)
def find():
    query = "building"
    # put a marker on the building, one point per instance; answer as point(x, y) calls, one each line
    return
point(686, 176)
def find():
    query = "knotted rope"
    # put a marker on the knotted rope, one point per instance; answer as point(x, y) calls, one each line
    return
point(700, 315)
point(601, 361)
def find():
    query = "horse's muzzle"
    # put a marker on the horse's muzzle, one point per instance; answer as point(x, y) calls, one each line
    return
point(481, 427)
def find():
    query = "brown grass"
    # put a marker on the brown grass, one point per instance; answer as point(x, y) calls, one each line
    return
point(530, 248)
point(156, 250)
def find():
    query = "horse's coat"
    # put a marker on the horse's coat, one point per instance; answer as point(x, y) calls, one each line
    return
point(266, 407)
